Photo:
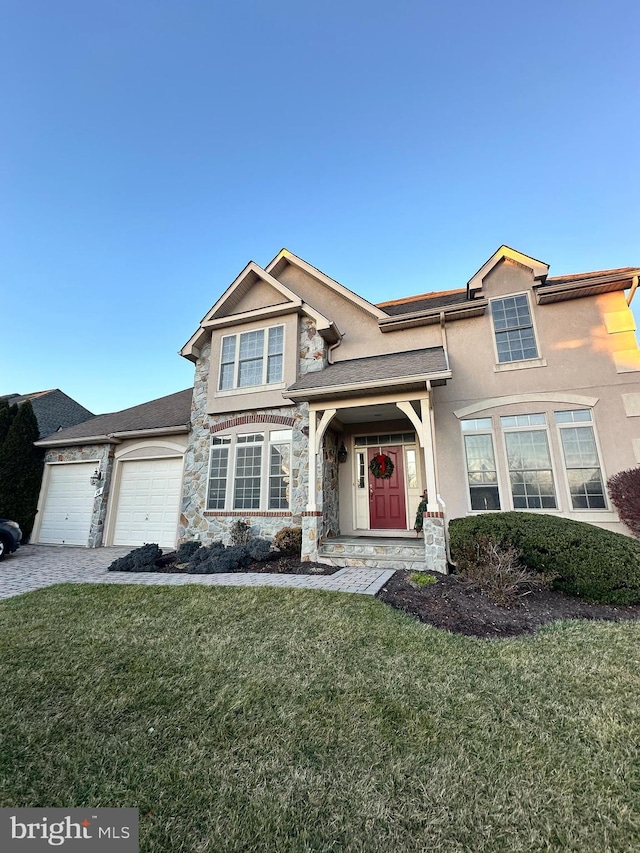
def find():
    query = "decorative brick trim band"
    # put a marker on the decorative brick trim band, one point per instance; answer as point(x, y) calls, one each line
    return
point(227, 513)
point(253, 419)
point(316, 513)
point(433, 515)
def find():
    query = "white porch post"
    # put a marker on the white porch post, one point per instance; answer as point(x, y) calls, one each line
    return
point(311, 496)
point(429, 453)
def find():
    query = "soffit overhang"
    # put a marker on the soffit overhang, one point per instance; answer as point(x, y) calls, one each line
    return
point(432, 316)
point(549, 291)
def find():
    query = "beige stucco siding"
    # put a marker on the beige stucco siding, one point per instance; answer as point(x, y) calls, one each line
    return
point(362, 335)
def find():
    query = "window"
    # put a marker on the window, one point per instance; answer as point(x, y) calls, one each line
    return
point(513, 327)
point(529, 462)
point(581, 460)
point(482, 475)
point(250, 471)
point(251, 358)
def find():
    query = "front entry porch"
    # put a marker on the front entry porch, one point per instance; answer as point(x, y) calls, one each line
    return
point(375, 552)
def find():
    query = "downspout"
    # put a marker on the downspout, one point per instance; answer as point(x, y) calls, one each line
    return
point(331, 349)
point(634, 287)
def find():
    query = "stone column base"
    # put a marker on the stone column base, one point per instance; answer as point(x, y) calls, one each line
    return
point(435, 550)
point(311, 525)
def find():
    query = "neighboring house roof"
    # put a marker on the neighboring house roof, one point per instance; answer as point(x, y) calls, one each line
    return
point(53, 409)
point(356, 375)
point(170, 414)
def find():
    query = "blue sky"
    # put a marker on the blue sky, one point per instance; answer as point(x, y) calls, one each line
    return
point(150, 149)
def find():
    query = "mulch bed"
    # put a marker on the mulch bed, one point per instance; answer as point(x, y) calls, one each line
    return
point(453, 604)
point(279, 566)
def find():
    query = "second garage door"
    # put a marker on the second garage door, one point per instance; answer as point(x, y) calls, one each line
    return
point(148, 502)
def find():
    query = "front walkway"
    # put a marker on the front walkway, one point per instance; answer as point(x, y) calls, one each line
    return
point(37, 566)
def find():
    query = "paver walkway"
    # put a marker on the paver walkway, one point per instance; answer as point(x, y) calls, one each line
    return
point(37, 566)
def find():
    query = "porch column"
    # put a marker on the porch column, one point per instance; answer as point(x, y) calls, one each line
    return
point(433, 519)
point(428, 446)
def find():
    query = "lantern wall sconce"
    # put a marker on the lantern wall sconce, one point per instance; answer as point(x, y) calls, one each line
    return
point(96, 477)
point(342, 453)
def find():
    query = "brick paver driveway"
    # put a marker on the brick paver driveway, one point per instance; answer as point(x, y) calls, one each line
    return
point(36, 566)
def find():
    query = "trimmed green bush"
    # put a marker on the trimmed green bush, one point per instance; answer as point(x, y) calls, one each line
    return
point(187, 550)
point(587, 561)
point(289, 541)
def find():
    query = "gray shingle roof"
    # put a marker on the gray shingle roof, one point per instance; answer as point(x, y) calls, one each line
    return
point(424, 303)
point(53, 409)
point(394, 367)
point(171, 411)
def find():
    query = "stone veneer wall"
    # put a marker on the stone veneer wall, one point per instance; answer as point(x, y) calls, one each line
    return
point(435, 549)
point(329, 502)
point(195, 520)
point(103, 454)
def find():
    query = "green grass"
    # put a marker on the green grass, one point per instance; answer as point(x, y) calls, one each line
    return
point(285, 720)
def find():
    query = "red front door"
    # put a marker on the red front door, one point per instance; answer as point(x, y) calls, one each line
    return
point(387, 509)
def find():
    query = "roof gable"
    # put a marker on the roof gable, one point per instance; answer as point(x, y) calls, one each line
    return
point(285, 257)
point(538, 268)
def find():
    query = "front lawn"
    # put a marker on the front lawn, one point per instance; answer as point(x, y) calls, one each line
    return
point(241, 719)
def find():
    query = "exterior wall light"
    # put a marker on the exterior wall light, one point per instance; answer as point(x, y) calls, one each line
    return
point(342, 453)
point(96, 477)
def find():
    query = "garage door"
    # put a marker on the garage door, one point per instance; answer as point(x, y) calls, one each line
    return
point(148, 502)
point(66, 515)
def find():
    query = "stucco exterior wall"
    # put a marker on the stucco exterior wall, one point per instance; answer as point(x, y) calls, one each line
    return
point(362, 335)
point(579, 342)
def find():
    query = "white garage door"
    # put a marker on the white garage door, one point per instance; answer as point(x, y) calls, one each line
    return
point(148, 502)
point(66, 515)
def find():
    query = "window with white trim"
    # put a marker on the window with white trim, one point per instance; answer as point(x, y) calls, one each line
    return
point(250, 471)
point(249, 359)
point(581, 460)
point(529, 461)
point(482, 474)
point(513, 328)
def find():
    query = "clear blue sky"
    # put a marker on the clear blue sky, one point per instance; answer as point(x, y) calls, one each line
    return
point(151, 148)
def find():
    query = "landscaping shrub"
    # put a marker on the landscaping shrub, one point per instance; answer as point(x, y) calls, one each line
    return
point(203, 554)
point(289, 541)
point(624, 491)
point(139, 560)
point(240, 532)
point(260, 550)
point(186, 551)
point(587, 561)
point(496, 570)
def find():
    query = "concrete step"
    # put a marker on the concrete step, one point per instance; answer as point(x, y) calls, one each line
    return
point(373, 552)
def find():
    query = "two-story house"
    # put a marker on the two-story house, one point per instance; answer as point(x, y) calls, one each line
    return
point(316, 408)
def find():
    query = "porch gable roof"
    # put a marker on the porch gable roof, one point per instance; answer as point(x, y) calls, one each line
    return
point(409, 369)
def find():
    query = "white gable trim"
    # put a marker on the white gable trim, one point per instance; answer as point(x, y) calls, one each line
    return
point(539, 268)
point(294, 260)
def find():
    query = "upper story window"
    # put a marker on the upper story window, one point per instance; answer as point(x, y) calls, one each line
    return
point(253, 358)
point(513, 327)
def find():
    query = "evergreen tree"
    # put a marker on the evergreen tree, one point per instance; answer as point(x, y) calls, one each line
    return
point(7, 414)
point(21, 467)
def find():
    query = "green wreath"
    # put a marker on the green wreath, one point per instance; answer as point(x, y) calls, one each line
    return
point(381, 466)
